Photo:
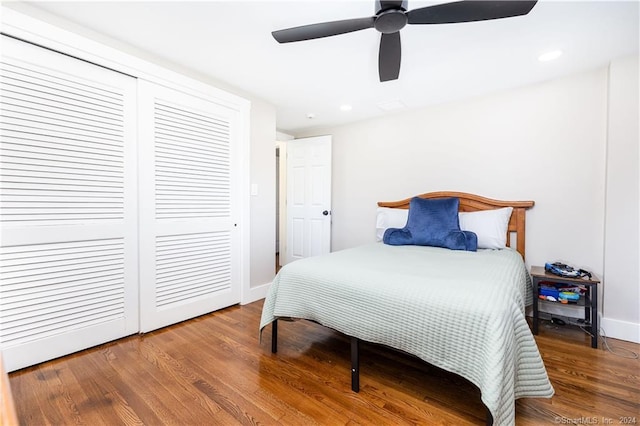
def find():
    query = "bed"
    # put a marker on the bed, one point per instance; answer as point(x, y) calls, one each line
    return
point(462, 311)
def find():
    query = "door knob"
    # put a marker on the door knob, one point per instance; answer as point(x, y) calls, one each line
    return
point(325, 212)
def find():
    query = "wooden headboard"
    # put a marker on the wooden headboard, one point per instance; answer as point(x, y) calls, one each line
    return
point(472, 203)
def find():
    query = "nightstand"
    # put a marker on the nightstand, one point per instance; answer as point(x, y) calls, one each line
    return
point(590, 299)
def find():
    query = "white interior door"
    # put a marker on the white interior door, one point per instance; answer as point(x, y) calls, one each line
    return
point(189, 206)
point(308, 197)
point(68, 265)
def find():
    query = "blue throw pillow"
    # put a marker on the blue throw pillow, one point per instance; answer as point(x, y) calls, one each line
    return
point(433, 222)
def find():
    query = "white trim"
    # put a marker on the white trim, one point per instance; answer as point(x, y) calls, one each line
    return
point(35, 31)
point(282, 202)
point(622, 330)
point(283, 137)
point(245, 213)
point(256, 293)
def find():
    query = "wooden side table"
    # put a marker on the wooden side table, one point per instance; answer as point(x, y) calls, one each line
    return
point(539, 275)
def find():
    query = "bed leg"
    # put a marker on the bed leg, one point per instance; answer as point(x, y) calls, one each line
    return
point(489, 418)
point(355, 364)
point(274, 336)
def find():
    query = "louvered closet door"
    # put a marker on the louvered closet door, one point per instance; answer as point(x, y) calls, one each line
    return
point(68, 277)
point(189, 241)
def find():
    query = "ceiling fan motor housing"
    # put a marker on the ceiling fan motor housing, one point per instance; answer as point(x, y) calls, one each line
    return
point(390, 21)
point(390, 16)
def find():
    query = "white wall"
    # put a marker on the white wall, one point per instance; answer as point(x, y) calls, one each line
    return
point(545, 142)
point(621, 308)
point(263, 205)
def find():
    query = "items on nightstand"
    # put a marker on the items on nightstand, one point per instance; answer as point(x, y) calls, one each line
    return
point(579, 290)
point(569, 296)
point(560, 292)
point(564, 270)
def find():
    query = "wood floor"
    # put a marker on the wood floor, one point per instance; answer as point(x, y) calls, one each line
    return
point(213, 370)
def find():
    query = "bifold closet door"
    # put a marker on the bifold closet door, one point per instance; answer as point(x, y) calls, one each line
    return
point(189, 216)
point(68, 277)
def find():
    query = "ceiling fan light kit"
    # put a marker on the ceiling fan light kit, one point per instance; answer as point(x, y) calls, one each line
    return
point(392, 16)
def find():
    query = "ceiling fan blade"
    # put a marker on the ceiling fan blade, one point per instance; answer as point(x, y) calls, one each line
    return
point(469, 11)
point(389, 56)
point(324, 29)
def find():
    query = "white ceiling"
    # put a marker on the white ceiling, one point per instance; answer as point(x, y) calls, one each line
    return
point(231, 41)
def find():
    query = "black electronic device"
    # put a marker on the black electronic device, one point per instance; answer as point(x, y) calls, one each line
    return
point(564, 270)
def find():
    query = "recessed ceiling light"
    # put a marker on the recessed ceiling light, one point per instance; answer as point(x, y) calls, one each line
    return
point(346, 107)
point(311, 115)
point(549, 56)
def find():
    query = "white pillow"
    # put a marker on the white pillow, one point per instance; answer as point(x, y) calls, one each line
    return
point(390, 218)
point(489, 225)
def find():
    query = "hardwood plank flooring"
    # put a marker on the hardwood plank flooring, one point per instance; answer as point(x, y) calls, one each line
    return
point(213, 370)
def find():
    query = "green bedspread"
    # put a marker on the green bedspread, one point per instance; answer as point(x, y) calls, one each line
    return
point(461, 311)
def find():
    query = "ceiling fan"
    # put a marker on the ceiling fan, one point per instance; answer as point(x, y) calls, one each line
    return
point(391, 16)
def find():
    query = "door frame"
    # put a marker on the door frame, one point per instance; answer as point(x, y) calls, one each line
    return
point(282, 201)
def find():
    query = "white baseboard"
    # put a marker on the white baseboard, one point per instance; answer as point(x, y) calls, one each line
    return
point(622, 330)
point(256, 293)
